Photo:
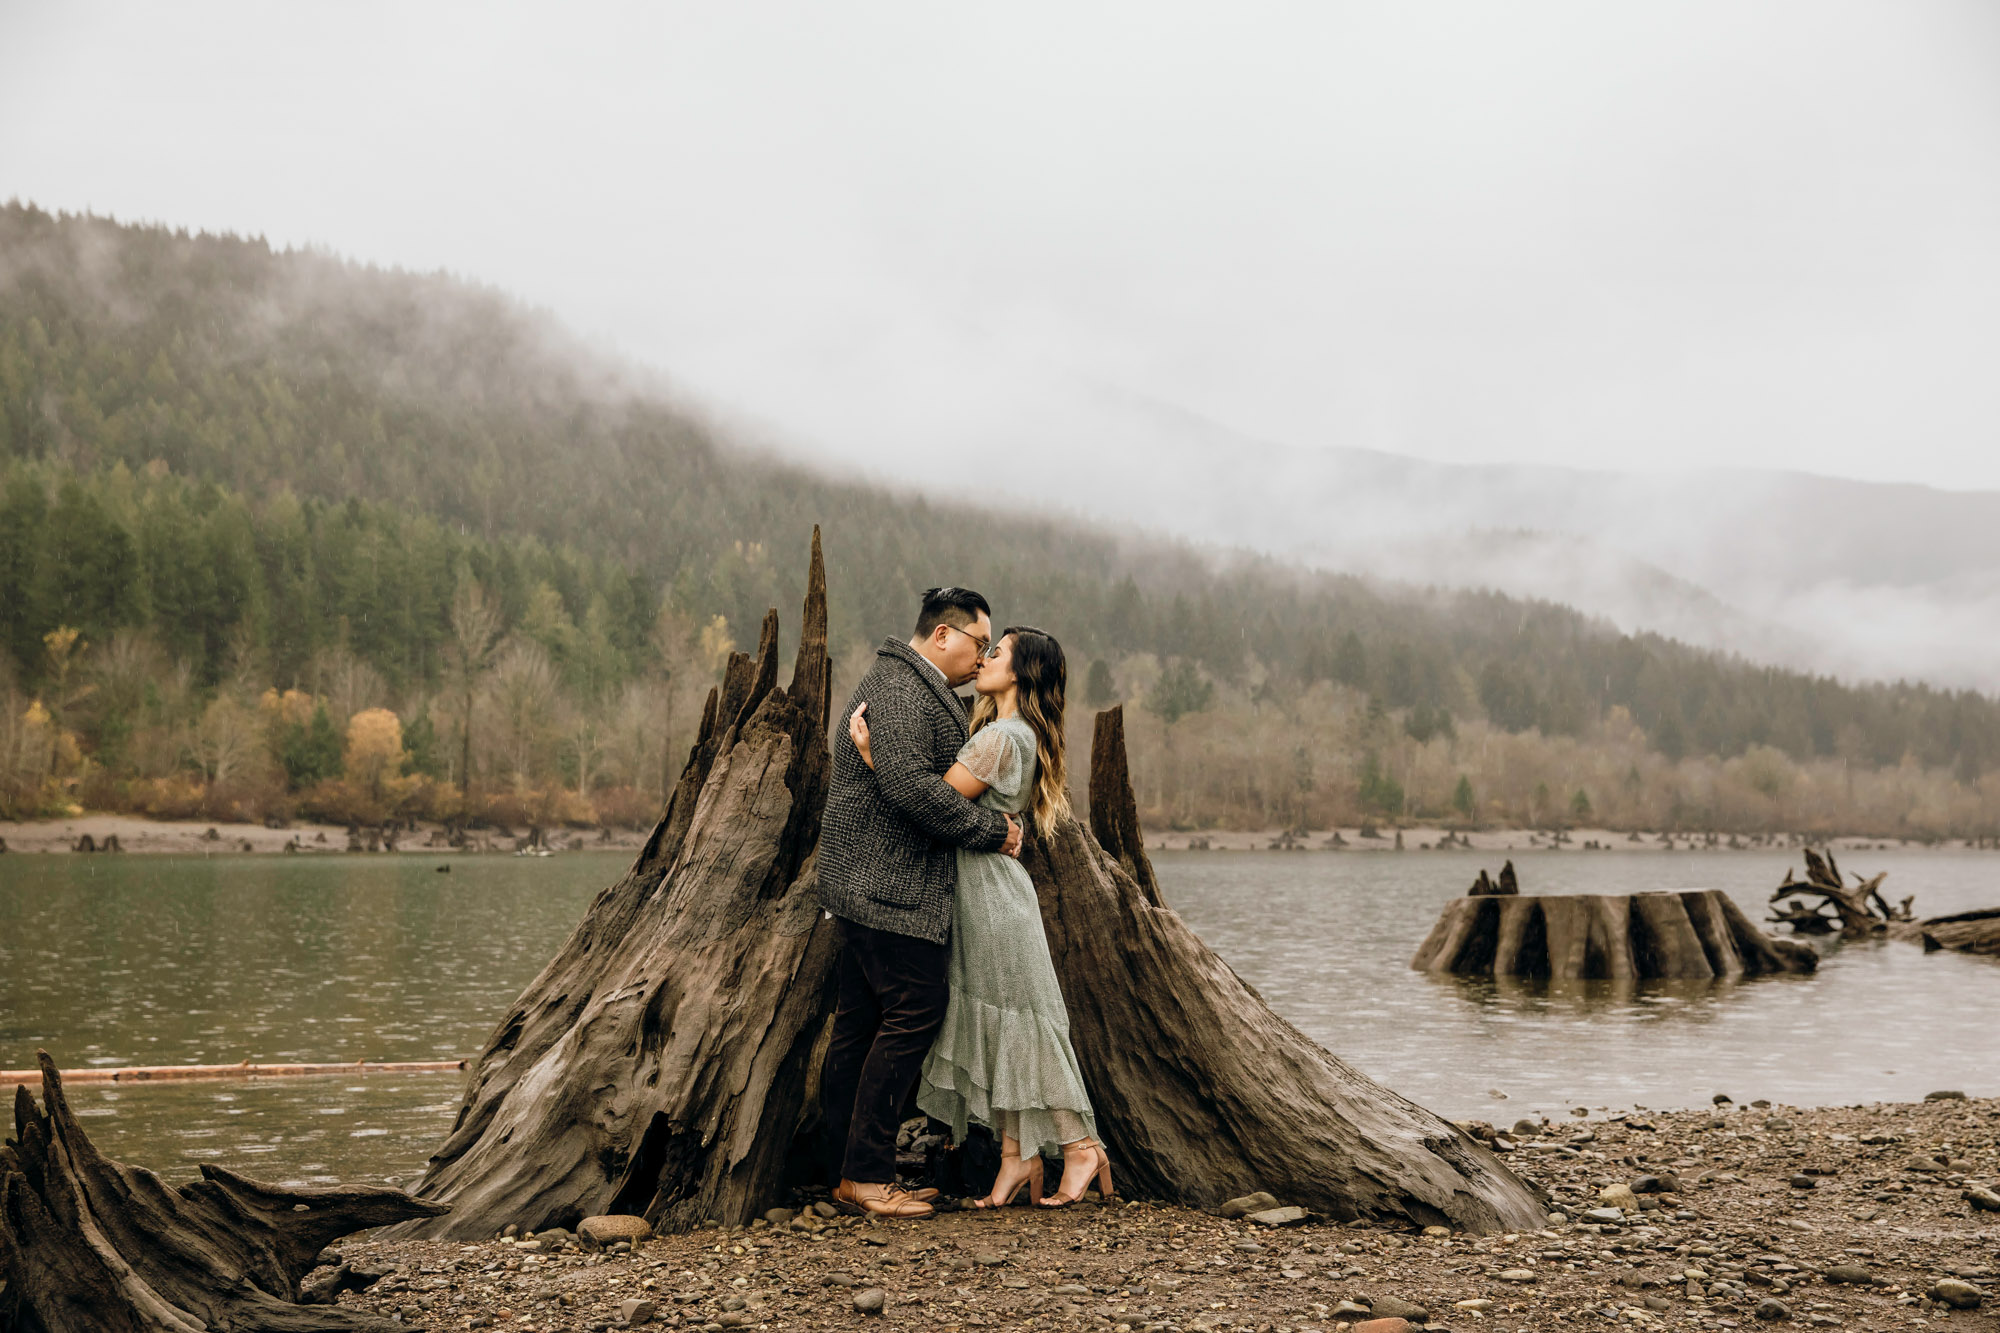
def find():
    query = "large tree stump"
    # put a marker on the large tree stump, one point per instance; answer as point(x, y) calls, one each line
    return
point(1694, 934)
point(1203, 1093)
point(88, 1245)
point(660, 1063)
point(664, 1064)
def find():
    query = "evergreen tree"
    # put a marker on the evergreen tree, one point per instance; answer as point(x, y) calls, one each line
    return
point(1099, 691)
point(310, 751)
point(1180, 690)
point(1378, 791)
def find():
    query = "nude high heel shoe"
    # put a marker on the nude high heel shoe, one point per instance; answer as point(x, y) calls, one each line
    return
point(1005, 1191)
point(1101, 1178)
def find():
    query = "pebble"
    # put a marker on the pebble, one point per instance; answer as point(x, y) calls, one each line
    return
point(1804, 1182)
point(637, 1310)
point(1983, 1200)
point(1618, 1196)
point(1849, 1273)
point(871, 1300)
point(610, 1228)
point(1384, 1326)
point(1773, 1310)
point(1516, 1275)
point(1392, 1307)
point(1279, 1217)
point(1959, 1295)
point(1247, 1204)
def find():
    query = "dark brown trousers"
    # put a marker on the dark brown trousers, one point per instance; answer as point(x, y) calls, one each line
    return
point(892, 994)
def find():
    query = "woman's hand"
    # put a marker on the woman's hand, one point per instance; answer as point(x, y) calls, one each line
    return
point(857, 730)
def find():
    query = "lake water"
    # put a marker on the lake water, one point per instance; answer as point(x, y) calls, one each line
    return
point(156, 960)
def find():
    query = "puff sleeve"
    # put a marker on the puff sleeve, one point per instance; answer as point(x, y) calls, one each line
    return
point(998, 757)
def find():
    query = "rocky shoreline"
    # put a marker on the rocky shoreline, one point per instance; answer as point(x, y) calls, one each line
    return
point(133, 833)
point(1868, 1218)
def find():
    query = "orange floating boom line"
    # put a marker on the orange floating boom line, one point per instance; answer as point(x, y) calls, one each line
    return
point(168, 1073)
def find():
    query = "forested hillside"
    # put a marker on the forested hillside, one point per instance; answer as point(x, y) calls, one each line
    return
point(253, 500)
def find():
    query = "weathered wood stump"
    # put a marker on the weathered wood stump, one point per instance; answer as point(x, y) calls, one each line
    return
point(664, 1063)
point(1201, 1092)
point(661, 1063)
point(1695, 933)
point(88, 1245)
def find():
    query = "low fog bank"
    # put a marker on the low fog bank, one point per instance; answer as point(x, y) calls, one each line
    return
point(1860, 580)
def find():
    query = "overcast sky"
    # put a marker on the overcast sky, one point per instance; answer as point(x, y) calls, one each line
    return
point(1612, 235)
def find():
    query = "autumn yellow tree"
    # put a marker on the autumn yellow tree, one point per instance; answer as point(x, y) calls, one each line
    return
point(374, 754)
point(64, 692)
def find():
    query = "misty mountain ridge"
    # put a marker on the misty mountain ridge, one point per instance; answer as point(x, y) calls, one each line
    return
point(1862, 580)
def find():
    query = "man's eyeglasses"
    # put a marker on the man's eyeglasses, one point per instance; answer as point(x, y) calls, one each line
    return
point(987, 648)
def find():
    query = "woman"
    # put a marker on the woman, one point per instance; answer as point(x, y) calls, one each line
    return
point(1003, 1057)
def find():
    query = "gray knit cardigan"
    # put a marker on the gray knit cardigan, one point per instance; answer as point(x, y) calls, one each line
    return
point(888, 845)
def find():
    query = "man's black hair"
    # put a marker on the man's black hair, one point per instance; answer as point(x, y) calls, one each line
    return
point(949, 606)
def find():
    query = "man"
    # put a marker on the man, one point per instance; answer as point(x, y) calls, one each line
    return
point(888, 865)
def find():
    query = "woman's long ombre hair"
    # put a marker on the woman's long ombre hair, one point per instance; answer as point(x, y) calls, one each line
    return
point(1041, 678)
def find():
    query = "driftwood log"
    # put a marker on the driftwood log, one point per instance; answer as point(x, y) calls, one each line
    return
point(1860, 909)
point(665, 1062)
point(1695, 933)
point(1963, 932)
point(88, 1245)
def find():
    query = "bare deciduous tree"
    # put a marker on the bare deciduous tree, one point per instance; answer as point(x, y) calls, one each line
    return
point(475, 633)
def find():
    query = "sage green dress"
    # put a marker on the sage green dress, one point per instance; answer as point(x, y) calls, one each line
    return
point(1003, 1058)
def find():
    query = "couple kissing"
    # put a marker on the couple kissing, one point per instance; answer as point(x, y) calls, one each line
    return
point(945, 980)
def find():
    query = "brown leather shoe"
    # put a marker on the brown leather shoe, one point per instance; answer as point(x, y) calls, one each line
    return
point(844, 1200)
point(880, 1200)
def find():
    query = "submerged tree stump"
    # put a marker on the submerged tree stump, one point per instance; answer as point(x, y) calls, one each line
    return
point(665, 1062)
point(88, 1245)
point(1694, 934)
